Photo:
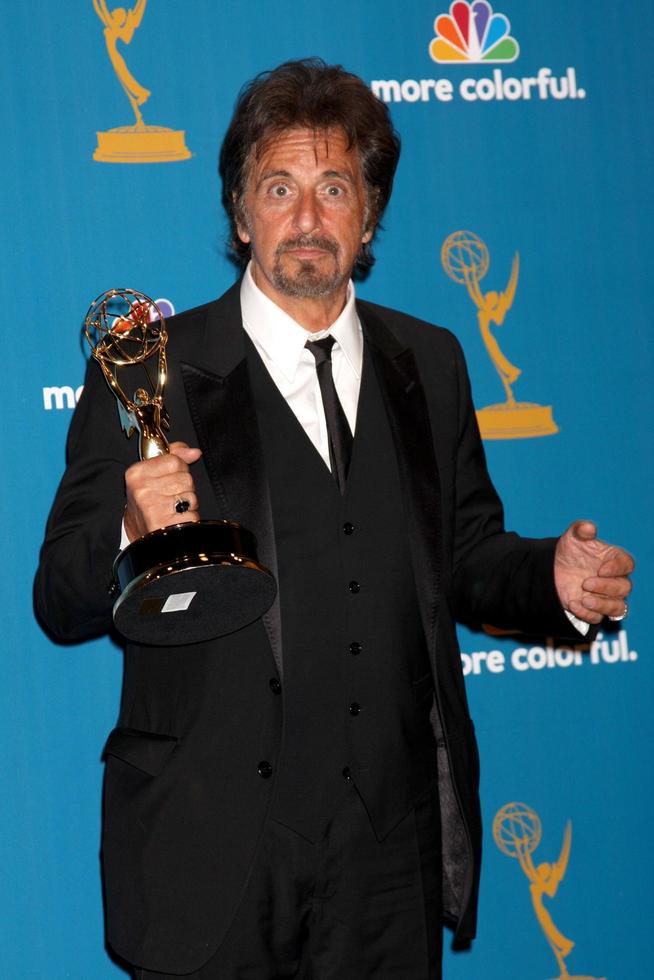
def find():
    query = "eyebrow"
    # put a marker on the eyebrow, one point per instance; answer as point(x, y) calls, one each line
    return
point(267, 174)
point(341, 174)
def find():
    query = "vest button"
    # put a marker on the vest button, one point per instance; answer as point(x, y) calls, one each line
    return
point(265, 770)
point(347, 774)
point(355, 649)
point(348, 528)
point(275, 686)
point(355, 708)
point(354, 587)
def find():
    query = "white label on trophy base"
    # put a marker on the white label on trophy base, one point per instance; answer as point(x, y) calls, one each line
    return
point(178, 602)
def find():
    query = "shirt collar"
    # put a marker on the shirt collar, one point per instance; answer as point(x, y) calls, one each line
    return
point(282, 338)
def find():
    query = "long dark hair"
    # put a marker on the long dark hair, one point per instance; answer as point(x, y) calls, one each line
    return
point(309, 94)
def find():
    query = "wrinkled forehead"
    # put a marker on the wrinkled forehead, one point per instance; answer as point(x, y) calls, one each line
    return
point(331, 147)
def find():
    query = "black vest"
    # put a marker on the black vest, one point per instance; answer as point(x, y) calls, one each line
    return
point(357, 683)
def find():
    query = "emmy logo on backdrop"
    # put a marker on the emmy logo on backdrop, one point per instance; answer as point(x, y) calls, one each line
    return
point(517, 832)
point(465, 259)
point(138, 143)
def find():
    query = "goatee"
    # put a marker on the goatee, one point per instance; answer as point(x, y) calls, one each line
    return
point(308, 281)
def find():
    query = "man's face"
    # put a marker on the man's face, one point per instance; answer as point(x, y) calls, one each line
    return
point(304, 214)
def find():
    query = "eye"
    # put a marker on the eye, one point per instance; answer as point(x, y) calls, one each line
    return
point(278, 190)
point(333, 190)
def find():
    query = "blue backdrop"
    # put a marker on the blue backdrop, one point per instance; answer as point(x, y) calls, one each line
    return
point(546, 154)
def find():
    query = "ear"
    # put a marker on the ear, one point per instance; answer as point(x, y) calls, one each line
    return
point(240, 223)
point(367, 235)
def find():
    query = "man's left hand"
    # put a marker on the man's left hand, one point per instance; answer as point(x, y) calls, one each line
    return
point(591, 576)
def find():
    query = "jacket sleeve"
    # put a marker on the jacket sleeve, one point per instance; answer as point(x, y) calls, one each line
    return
point(72, 589)
point(499, 578)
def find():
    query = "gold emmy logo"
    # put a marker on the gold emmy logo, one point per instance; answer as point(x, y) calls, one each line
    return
point(517, 832)
point(138, 143)
point(466, 260)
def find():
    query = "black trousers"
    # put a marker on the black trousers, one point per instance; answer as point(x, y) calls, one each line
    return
point(344, 908)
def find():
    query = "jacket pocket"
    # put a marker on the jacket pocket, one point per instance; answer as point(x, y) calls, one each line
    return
point(147, 751)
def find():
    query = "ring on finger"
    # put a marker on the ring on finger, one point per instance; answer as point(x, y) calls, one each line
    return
point(182, 505)
point(618, 619)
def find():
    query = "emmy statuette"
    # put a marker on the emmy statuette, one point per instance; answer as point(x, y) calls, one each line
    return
point(517, 831)
point(465, 259)
point(138, 143)
point(187, 582)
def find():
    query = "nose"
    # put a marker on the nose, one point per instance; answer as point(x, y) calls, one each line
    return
point(307, 214)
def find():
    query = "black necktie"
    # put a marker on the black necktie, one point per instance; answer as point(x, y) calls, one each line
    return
point(338, 430)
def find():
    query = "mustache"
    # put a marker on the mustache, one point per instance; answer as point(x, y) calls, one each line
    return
point(308, 241)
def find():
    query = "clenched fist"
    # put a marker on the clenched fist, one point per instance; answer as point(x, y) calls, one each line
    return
point(153, 487)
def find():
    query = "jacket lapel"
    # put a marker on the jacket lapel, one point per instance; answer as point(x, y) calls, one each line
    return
point(408, 416)
point(223, 413)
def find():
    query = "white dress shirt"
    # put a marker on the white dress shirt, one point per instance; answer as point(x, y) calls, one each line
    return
point(280, 341)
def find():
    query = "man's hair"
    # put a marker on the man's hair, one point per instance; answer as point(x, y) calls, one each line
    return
point(313, 95)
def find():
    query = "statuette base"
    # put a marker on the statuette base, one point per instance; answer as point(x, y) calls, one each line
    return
point(189, 583)
point(141, 144)
point(520, 420)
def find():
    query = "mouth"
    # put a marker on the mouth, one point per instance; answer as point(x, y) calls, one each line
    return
point(308, 253)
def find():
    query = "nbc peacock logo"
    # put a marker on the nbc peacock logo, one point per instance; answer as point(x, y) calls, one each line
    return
point(471, 33)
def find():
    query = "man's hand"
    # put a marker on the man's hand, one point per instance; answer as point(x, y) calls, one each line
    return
point(591, 577)
point(153, 487)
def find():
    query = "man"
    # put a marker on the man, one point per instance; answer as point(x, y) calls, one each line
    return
point(299, 798)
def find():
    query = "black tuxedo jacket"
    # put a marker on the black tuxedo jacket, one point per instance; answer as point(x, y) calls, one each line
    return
point(184, 803)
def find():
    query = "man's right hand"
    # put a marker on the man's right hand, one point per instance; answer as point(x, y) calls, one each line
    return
point(153, 486)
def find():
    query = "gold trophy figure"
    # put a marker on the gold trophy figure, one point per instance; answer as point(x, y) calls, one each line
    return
point(138, 143)
point(120, 26)
point(517, 832)
point(492, 308)
point(125, 328)
point(149, 422)
point(187, 582)
point(466, 260)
